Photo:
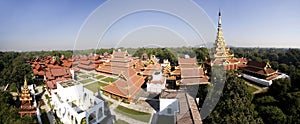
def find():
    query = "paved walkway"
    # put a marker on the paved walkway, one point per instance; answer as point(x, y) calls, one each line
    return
point(95, 80)
point(123, 117)
point(117, 103)
point(50, 115)
point(259, 89)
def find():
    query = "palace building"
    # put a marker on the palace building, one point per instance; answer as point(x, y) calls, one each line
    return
point(128, 83)
point(221, 54)
point(74, 104)
point(28, 101)
point(261, 72)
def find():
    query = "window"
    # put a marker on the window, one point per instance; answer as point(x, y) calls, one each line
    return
point(169, 111)
point(100, 113)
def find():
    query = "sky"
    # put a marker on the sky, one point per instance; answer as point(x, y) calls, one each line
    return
point(34, 25)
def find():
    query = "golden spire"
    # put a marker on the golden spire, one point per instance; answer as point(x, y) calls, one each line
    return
point(25, 84)
point(220, 20)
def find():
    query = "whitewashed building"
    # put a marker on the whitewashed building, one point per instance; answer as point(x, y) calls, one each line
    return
point(73, 103)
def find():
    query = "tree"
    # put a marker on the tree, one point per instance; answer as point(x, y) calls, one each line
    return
point(274, 65)
point(234, 105)
point(9, 114)
point(272, 114)
point(1, 65)
point(265, 100)
point(279, 87)
point(290, 105)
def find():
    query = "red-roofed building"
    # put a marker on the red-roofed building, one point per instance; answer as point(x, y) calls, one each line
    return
point(124, 88)
point(55, 74)
point(221, 54)
point(27, 101)
point(129, 83)
point(261, 72)
point(190, 72)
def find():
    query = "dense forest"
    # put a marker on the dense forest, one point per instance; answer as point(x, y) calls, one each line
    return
point(280, 104)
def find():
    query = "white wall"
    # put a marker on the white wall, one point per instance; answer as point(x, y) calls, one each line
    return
point(166, 104)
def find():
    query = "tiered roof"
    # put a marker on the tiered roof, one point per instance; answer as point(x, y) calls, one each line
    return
point(26, 99)
point(261, 68)
point(125, 88)
point(221, 52)
point(90, 62)
point(25, 95)
point(190, 72)
point(129, 82)
point(56, 74)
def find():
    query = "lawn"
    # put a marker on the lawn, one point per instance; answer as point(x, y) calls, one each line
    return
point(109, 79)
point(86, 81)
point(101, 84)
point(99, 76)
point(137, 115)
point(251, 89)
point(93, 87)
point(44, 117)
point(161, 119)
point(119, 121)
point(109, 103)
point(84, 76)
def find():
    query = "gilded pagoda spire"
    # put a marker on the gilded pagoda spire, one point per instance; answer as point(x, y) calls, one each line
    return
point(25, 84)
point(221, 52)
point(220, 20)
point(25, 95)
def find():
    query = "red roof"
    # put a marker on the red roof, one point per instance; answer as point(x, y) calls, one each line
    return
point(66, 63)
point(85, 62)
point(176, 72)
point(125, 88)
point(188, 66)
point(266, 72)
point(148, 72)
point(51, 84)
point(119, 54)
point(120, 60)
point(257, 64)
point(187, 61)
point(191, 81)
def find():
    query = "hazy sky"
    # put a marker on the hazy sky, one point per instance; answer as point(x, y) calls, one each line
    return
point(54, 24)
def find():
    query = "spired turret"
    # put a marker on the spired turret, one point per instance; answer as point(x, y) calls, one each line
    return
point(220, 51)
point(25, 95)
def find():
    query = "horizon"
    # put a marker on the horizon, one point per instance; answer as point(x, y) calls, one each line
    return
point(55, 25)
point(229, 46)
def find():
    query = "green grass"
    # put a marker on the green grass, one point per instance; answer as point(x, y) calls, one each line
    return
point(119, 121)
point(251, 89)
point(109, 103)
point(165, 119)
point(101, 84)
point(47, 96)
point(99, 76)
point(44, 117)
point(109, 79)
point(84, 76)
point(93, 87)
point(137, 115)
point(86, 81)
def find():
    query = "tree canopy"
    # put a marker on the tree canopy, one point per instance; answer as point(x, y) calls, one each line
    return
point(234, 105)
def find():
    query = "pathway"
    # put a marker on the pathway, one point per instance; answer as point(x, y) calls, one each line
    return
point(121, 116)
point(95, 80)
point(50, 115)
point(259, 89)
